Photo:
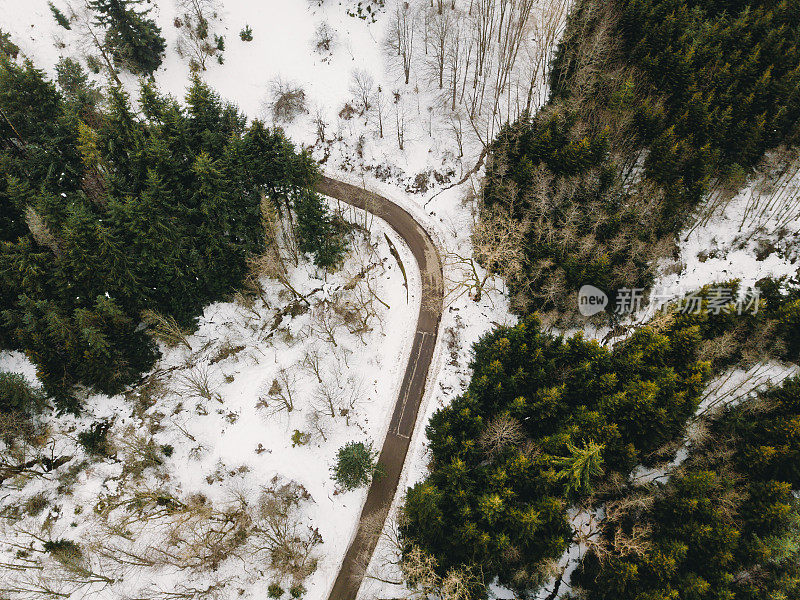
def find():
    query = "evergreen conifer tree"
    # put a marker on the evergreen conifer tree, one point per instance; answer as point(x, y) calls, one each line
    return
point(134, 40)
point(355, 465)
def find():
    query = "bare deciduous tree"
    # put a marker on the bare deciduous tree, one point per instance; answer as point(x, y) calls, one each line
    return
point(497, 250)
point(380, 109)
point(498, 239)
point(280, 395)
point(400, 119)
point(501, 432)
point(287, 100)
point(337, 397)
point(362, 87)
point(280, 533)
point(312, 363)
point(196, 40)
point(402, 30)
point(326, 322)
point(439, 42)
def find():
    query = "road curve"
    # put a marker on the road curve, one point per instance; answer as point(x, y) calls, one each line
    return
point(395, 446)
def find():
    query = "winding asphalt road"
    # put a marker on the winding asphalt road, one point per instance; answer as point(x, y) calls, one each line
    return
point(395, 446)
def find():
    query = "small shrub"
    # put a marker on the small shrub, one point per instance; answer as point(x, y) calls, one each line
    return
point(66, 552)
point(146, 394)
point(167, 450)
point(300, 438)
point(95, 439)
point(324, 39)
point(198, 382)
point(288, 101)
point(36, 504)
point(274, 590)
point(165, 329)
point(297, 590)
point(347, 112)
point(356, 465)
point(246, 34)
point(367, 10)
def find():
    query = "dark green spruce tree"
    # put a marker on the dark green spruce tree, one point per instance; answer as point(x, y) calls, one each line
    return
point(134, 39)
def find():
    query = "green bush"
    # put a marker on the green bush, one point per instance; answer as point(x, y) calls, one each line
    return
point(95, 439)
point(274, 590)
point(297, 591)
point(356, 465)
point(246, 34)
point(64, 550)
point(300, 438)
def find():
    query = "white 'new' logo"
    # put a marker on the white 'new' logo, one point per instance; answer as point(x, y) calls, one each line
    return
point(591, 300)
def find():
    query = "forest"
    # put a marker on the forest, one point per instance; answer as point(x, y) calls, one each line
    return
point(549, 423)
point(654, 106)
point(112, 216)
point(657, 109)
point(724, 525)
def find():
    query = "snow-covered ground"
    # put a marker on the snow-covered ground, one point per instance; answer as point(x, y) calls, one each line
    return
point(736, 243)
point(284, 49)
point(237, 435)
